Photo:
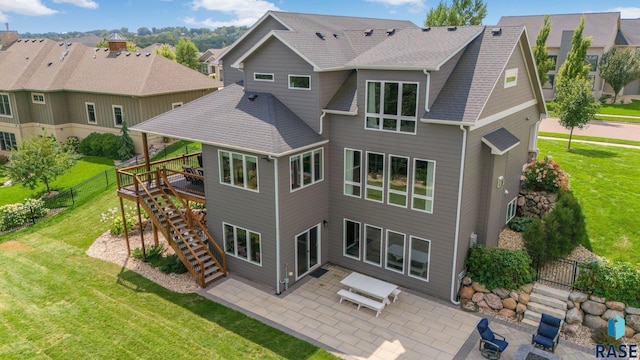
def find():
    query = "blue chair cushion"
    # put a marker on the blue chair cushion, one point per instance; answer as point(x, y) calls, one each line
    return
point(551, 320)
point(485, 333)
point(544, 341)
point(547, 331)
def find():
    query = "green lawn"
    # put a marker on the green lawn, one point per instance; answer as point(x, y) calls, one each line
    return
point(176, 149)
point(84, 169)
point(589, 138)
point(632, 109)
point(605, 181)
point(58, 303)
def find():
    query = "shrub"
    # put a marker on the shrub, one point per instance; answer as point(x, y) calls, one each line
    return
point(617, 281)
point(520, 223)
point(3, 159)
point(113, 217)
point(545, 175)
point(106, 145)
point(14, 215)
point(601, 336)
point(72, 144)
point(167, 264)
point(499, 268)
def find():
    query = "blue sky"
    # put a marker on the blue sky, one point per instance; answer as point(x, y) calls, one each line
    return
point(40, 16)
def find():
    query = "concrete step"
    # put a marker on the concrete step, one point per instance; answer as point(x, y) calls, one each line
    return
point(539, 308)
point(532, 316)
point(548, 301)
point(559, 294)
point(530, 322)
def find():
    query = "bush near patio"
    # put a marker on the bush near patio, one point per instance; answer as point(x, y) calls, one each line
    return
point(617, 281)
point(545, 175)
point(499, 268)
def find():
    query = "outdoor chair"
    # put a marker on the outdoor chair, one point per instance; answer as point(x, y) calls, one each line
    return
point(548, 334)
point(491, 344)
point(190, 171)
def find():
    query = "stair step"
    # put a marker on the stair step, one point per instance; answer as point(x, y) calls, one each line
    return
point(551, 292)
point(539, 308)
point(548, 301)
point(530, 322)
point(213, 277)
point(211, 270)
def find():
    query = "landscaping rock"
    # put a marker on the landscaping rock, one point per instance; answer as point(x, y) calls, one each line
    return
point(571, 330)
point(503, 293)
point(594, 322)
point(615, 305)
point(466, 292)
point(524, 298)
point(570, 305)
point(483, 305)
point(521, 308)
point(633, 321)
point(466, 281)
point(593, 308)
point(468, 305)
point(628, 331)
point(479, 287)
point(508, 313)
point(636, 338)
point(632, 311)
point(527, 288)
point(597, 299)
point(477, 297)
point(509, 303)
point(574, 316)
point(578, 296)
point(514, 295)
point(610, 313)
point(493, 301)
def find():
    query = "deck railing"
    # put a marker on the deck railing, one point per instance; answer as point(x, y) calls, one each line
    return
point(125, 176)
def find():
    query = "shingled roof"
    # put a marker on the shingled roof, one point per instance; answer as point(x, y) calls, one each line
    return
point(46, 65)
point(630, 28)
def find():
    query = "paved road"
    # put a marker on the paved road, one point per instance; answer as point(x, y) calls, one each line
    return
point(605, 129)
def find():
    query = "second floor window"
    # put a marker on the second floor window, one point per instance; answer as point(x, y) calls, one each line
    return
point(306, 169)
point(91, 112)
point(300, 82)
point(118, 116)
point(592, 60)
point(239, 170)
point(391, 106)
point(263, 77)
point(352, 182)
point(37, 98)
point(5, 105)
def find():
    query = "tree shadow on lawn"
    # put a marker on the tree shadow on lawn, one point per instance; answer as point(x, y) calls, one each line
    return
point(600, 154)
point(248, 328)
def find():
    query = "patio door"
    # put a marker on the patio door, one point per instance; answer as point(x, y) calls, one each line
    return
point(307, 251)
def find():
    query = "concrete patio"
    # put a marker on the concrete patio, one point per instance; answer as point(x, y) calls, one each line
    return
point(414, 327)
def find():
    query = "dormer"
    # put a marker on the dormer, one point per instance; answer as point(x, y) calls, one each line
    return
point(117, 43)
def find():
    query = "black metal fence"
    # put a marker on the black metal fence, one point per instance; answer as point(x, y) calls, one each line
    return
point(555, 271)
point(84, 190)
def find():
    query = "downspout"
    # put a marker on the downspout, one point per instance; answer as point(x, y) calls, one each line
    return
point(426, 93)
point(277, 218)
point(457, 233)
point(322, 121)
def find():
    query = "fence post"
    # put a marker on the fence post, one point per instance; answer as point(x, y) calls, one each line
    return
point(33, 218)
point(73, 202)
point(186, 149)
point(106, 176)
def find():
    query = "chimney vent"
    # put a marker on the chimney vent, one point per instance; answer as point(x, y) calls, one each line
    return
point(368, 32)
point(320, 35)
point(496, 31)
point(425, 29)
point(452, 28)
point(391, 32)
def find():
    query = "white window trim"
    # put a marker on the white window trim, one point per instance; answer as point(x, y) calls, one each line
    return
point(411, 238)
point(300, 157)
point(34, 94)
point(235, 242)
point(298, 88)
point(507, 74)
point(344, 239)
point(392, 191)
point(513, 204)
point(386, 251)
point(396, 117)
point(413, 181)
point(86, 110)
point(176, 105)
point(344, 173)
point(255, 74)
point(366, 174)
point(364, 257)
point(113, 112)
point(245, 178)
point(9, 102)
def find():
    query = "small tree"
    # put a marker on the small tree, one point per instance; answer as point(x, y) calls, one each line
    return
point(40, 159)
point(543, 61)
point(460, 13)
point(574, 66)
point(131, 46)
point(102, 43)
point(187, 53)
point(618, 67)
point(126, 149)
point(575, 103)
point(165, 50)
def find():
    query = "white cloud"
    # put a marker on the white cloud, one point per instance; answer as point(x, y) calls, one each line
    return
point(418, 3)
point(89, 4)
point(244, 12)
point(628, 12)
point(24, 7)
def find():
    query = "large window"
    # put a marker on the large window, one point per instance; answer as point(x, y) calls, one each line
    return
point(5, 105)
point(239, 170)
point(91, 112)
point(118, 116)
point(351, 243)
point(373, 245)
point(592, 61)
point(419, 252)
point(302, 82)
point(511, 209)
point(395, 251)
point(375, 177)
point(423, 178)
point(37, 98)
point(352, 165)
point(392, 106)
point(242, 243)
point(398, 175)
point(306, 168)
point(8, 141)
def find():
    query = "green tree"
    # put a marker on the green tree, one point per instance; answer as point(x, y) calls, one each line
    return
point(575, 65)
point(618, 67)
point(165, 50)
point(187, 53)
point(459, 13)
point(40, 159)
point(576, 104)
point(126, 149)
point(131, 46)
point(102, 43)
point(543, 61)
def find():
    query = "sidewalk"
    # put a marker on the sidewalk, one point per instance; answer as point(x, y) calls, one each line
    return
point(604, 129)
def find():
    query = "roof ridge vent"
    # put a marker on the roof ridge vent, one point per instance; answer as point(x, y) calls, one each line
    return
point(34, 40)
point(60, 43)
point(425, 29)
point(49, 64)
point(320, 35)
point(496, 31)
point(368, 32)
point(252, 97)
point(137, 54)
point(147, 54)
point(128, 53)
point(452, 28)
point(391, 32)
point(41, 40)
point(19, 40)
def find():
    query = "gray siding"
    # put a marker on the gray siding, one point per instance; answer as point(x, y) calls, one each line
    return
point(330, 82)
point(231, 75)
point(243, 208)
point(103, 109)
point(274, 57)
point(439, 78)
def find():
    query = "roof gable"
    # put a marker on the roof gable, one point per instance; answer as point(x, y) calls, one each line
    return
point(630, 29)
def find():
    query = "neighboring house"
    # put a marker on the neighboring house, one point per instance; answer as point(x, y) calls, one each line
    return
point(68, 89)
point(606, 29)
point(373, 144)
point(208, 63)
point(151, 48)
point(86, 40)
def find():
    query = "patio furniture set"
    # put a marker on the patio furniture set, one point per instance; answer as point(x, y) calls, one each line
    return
point(368, 292)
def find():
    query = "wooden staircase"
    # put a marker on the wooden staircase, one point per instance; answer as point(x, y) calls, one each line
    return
point(188, 237)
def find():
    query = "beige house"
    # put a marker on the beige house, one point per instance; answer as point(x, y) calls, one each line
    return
point(208, 64)
point(68, 89)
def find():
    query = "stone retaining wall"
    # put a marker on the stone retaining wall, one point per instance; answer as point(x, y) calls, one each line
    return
point(535, 203)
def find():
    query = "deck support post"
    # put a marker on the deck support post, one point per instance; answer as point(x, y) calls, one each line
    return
point(124, 223)
point(144, 254)
point(145, 149)
point(155, 234)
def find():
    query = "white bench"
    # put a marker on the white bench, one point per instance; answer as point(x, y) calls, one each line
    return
point(395, 294)
point(360, 300)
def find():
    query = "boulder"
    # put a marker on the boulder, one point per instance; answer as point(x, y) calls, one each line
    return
point(597, 299)
point(514, 295)
point(527, 288)
point(466, 281)
point(508, 313)
point(521, 308)
point(468, 305)
point(570, 305)
point(594, 322)
point(632, 311)
point(578, 296)
point(493, 301)
point(574, 316)
point(615, 305)
point(610, 313)
point(509, 303)
point(466, 292)
point(593, 308)
point(636, 338)
point(503, 293)
point(571, 330)
point(479, 287)
point(628, 331)
point(524, 298)
point(633, 321)
point(477, 297)
point(483, 305)
point(521, 201)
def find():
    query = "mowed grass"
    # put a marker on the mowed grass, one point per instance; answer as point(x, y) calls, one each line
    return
point(630, 109)
point(58, 303)
point(605, 181)
point(176, 149)
point(84, 169)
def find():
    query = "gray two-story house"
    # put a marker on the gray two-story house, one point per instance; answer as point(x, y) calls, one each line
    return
point(373, 144)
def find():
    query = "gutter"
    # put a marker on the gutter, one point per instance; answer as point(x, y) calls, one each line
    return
point(277, 216)
point(459, 205)
point(426, 95)
point(322, 121)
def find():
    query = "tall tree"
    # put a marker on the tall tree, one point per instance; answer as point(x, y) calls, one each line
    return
point(459, 13)
point(576, 104)
point(40, 159)
point(618, 67)
point(543, 62)
point(126, 149)
point(187, 53)
point(165, 50)
point(575, 65)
